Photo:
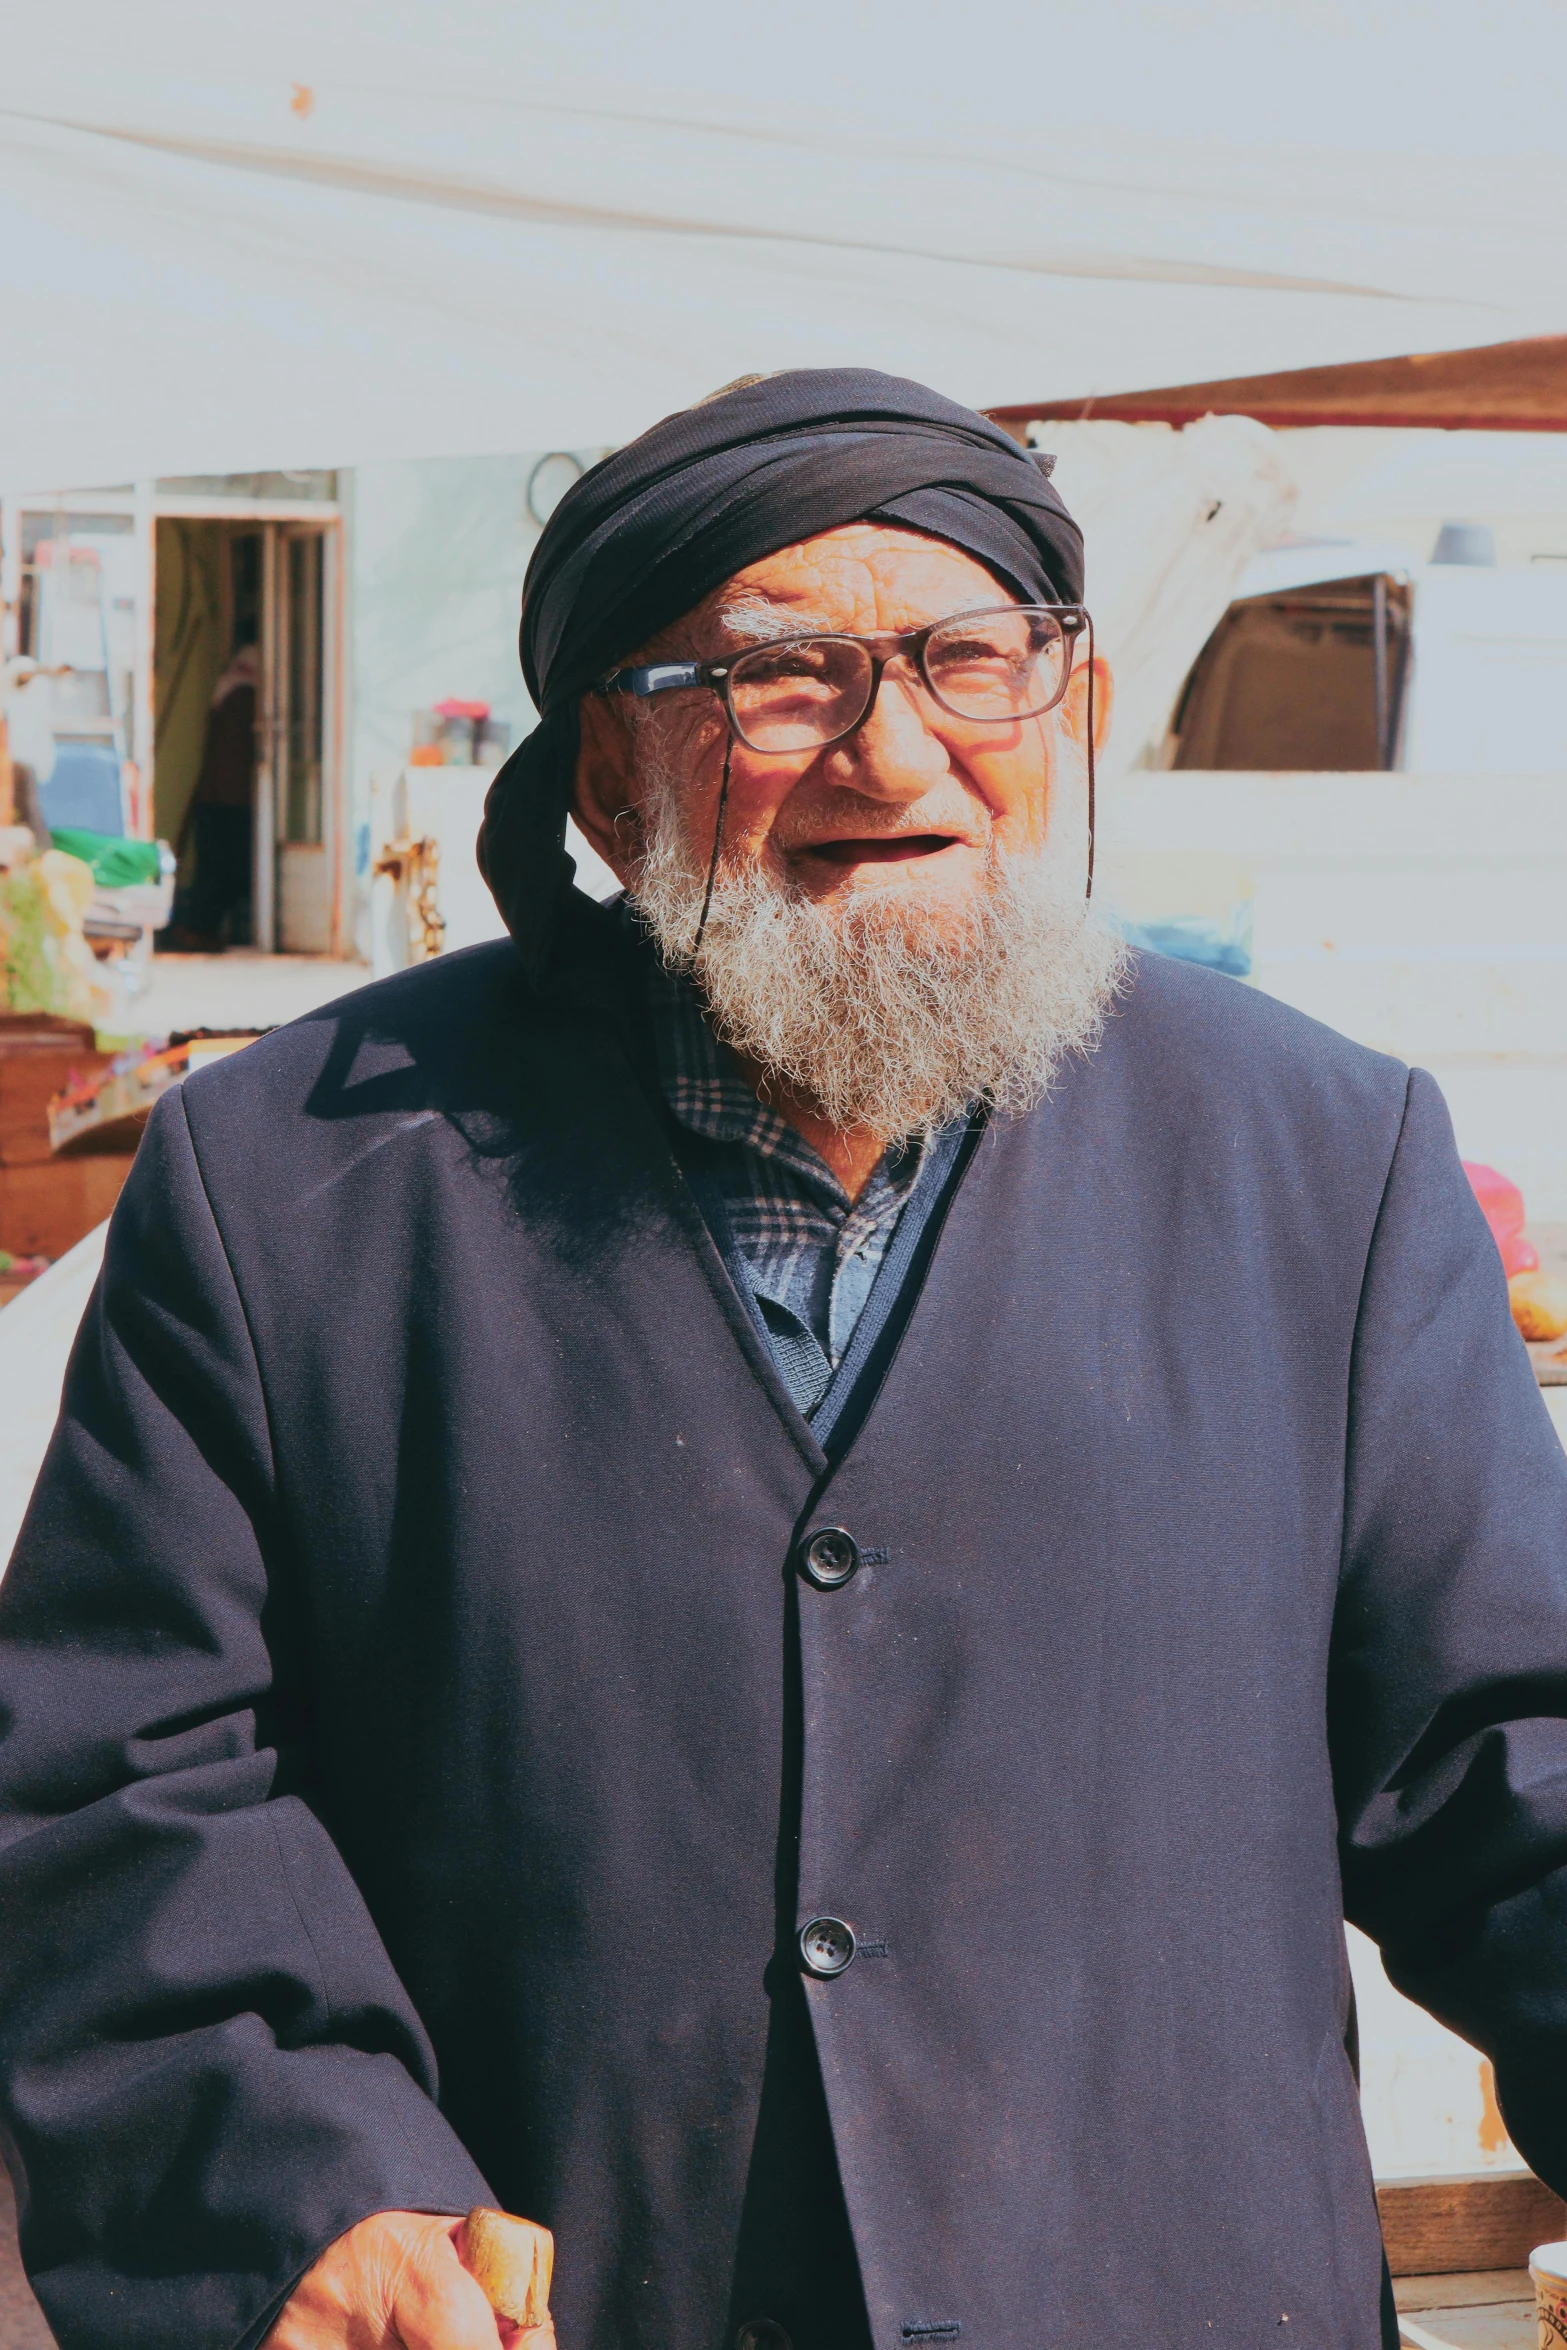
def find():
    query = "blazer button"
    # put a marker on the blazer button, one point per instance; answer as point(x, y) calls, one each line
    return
point(827, 1946)
point(829, 1557)
point(760, 2333)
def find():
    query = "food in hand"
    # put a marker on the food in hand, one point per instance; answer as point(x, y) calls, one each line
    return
point(510, 2259)
point(1539, 1303)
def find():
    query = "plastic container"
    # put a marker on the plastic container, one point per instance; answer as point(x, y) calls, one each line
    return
point(1501, 1203)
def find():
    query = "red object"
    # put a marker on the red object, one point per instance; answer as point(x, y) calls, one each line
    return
point(1501, 1204)
point(472, 711)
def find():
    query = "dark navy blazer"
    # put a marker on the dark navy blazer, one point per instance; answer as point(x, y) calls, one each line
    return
point(395, 1662)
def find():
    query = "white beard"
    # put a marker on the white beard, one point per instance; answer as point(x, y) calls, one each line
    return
point(869, 1010)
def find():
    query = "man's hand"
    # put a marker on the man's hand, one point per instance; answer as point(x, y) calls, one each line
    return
point(395, 2283)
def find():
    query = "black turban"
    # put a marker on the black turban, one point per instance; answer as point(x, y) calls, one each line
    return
point(645, 535)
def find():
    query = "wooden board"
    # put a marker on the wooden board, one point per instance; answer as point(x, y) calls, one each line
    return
point(1491, 2220)
point(1491, 2311)
point(1470, 2290)
point(39, 1055)
point(1493, 387)
point(1500, 2325)
point(45, 1210)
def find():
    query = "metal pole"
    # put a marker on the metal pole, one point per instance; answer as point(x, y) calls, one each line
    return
point(1379, 665)
point(10, 576)
point(263, 863)
point(143, 710)
point(334, 814)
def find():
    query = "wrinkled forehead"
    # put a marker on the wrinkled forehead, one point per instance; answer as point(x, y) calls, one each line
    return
point(861, 578)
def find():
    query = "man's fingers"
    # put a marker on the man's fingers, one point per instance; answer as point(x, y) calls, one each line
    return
point(438, 2306)
point(512, 2260)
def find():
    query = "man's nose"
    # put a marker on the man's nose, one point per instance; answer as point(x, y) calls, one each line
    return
point(894, 755)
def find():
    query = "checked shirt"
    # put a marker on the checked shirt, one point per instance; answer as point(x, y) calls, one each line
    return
point(809, 1252)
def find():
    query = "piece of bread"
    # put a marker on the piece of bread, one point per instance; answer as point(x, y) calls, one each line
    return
point(510, 2259)
point(1539, 1303)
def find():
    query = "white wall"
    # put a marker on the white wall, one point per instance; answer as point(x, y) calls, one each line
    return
point(1422, 915)
point(446, 804)
point(1356, 481)
point(437, 552)
point(1428, 2100)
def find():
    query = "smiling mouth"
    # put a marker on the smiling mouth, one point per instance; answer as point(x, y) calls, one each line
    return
point(883, 848)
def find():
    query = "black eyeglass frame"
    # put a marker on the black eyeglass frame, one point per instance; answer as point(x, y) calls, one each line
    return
point(665, 677)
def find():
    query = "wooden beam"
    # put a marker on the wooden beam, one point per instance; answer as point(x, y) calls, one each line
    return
point(1496, 387)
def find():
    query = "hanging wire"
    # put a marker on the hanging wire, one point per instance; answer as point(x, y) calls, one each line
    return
point(1089, 891)
point(718, 841)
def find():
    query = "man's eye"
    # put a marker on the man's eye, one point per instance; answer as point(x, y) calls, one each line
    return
point(975, 648)
point(800, 661)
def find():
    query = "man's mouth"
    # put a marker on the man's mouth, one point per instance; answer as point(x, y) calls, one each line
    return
point(882, 848)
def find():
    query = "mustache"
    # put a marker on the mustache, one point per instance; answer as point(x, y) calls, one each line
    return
point(847, 815)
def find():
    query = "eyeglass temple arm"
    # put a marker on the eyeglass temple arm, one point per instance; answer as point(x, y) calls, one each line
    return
point(662, 677)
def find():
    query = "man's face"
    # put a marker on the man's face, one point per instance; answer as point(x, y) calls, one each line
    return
point(916, 802)
point(896, 928)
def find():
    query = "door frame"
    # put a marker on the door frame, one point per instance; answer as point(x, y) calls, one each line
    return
point(147, 505)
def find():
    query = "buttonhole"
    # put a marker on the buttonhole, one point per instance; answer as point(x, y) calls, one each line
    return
point(877, 1557)
point(933, 2329)
point(873, 1950)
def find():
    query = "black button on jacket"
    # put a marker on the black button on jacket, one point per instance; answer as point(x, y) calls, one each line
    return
point(393, 1683)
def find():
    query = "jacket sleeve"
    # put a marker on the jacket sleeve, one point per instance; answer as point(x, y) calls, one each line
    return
point(208, 2068)
point(1448, 1682)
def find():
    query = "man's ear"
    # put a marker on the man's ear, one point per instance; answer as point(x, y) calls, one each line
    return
point(603, 790)
point(1074, 705)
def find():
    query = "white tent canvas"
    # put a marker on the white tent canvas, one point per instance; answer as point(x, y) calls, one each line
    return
point(233, 239)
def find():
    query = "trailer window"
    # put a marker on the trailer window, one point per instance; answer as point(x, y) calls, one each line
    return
point(1308, 678)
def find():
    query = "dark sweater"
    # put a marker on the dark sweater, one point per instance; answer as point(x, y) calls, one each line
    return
point(399, 1658)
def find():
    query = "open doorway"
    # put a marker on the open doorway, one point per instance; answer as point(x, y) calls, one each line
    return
point(206, 680)
point(239, 689)
point(1310, 679)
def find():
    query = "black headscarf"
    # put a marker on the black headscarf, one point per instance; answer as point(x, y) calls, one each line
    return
point(645, 535)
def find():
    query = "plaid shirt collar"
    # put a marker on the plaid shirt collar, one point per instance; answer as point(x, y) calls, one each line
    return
point(810, 1253)
point(708, 1092)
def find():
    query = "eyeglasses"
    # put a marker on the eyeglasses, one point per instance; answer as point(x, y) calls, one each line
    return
point(799, 693)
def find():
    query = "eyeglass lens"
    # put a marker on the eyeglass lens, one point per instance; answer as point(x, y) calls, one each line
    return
point(985, 666)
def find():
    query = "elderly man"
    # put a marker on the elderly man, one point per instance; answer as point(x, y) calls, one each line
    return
point(756, 1575)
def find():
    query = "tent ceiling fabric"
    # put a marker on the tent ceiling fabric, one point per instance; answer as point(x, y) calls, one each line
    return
point(1503, 387)
point(233, 239)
